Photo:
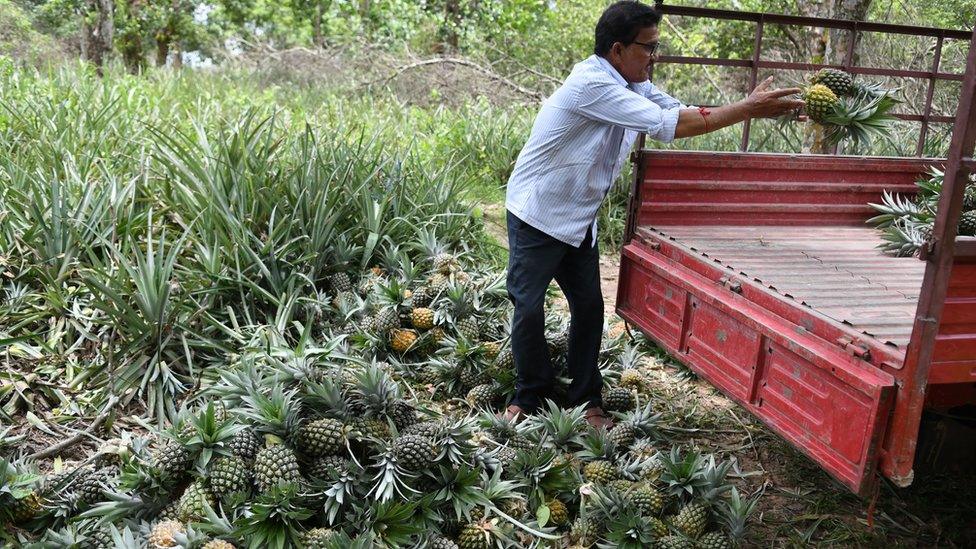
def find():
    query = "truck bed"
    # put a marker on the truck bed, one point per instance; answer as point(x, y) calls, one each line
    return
point(837, 271)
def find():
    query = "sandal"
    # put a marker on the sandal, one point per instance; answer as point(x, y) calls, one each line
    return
point(597, 418)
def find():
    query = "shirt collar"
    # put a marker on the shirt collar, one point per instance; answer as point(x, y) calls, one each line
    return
point(606, 66)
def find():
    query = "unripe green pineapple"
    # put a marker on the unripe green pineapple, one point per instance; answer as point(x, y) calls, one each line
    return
point(89, 485)
point(275, 464)
point(340, 282)
point(440, 542)
point(475, 535)
point(422, 296)
point(413, 452)
point(317, 538)
point(246, 444)
point(505, 360)
point(99, 538)
point(839, 82)
point(559, 344)
point(429, 429)
point(674, 542)
point(468, 327)
point(164, 534)
point(193, 500)
point(820, 102)
point(481, 396)
point(471, 377)
point(172, 460)
point(403, 414)
point(691, 520)
point(600, 471)
point(714, 540)
point(322, 437)
point(622, 485)
point(326, 466)
point(658, 528)
point(170, 512)
point(229, 475)
point(623, 435)
point(632, 379)
point(558, 512)
point(372, 428)
point(967, 224)
point(648, 501)
point(618, 399)
point(584, 531)
point(386, 320)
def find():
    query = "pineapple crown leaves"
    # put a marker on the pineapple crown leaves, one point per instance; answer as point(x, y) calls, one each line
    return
point(373, 391)
point(459, 488)
point(541, 474)
point(454, 443)
point(627, 529)
point(735, 512)
point(389, 479)
point(684, 474)
point(276, 413)
point(644, 421)
point(860, 118)
point(894, 207)
point(597, 445)
point(559, 428)
point(715, 479)
point(343, 489)
point(390, 523)
point(274, 518)
point(326, 395)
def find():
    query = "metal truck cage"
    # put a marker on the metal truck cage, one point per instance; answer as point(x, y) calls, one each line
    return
point(758, 272)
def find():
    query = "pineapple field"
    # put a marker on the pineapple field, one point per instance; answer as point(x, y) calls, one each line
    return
point(263, 304)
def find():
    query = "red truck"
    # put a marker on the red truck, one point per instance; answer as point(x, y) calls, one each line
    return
point(758, 272)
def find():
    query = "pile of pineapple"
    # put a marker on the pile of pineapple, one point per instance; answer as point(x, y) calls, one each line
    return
point(906, 223)
point(373, 424)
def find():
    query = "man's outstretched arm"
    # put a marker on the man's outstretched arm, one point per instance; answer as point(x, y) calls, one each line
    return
point(761, 103)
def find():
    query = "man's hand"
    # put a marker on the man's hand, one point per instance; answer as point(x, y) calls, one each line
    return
point(766, 103)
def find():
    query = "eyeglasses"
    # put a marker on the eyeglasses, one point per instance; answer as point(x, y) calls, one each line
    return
point(651, 48)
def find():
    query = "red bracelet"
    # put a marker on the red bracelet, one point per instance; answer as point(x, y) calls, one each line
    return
point(704, 112)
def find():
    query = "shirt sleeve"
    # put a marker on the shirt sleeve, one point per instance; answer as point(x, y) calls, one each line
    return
point(664, 100)
point(609, 102)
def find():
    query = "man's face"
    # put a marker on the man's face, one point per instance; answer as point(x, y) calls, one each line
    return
point(633, 61)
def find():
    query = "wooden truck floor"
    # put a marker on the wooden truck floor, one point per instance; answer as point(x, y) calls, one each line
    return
point(837, 271)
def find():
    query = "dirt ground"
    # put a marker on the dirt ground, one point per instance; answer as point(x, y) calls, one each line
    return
point(801, 505)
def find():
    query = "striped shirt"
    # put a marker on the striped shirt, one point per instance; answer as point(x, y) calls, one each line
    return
point(578, 144)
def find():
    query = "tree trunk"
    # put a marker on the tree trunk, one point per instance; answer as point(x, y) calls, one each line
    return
point(97, 34)
point(317, 24)
point(162, 48)
point(452, 20)
point(829, 46)
point(130, 42)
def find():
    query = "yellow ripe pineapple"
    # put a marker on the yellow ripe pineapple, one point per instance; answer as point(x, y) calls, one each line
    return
point(422, 318)
point(402, 340)
point(164, 534)
point(820, 102)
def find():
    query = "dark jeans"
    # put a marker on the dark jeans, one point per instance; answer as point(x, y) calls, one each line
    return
point(534, 260)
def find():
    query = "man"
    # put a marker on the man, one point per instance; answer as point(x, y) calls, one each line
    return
point(577, 145)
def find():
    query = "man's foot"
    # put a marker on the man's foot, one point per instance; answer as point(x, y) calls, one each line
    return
point(597, 418)
point(514, 414)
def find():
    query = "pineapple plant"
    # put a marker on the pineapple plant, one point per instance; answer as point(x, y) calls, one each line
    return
point(600, 471)
point(275, 464)
point(322, 437)
point(164, 534)
point(413, 452)
point(458, 308)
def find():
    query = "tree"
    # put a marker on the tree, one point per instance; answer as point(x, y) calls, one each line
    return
point(97, 31)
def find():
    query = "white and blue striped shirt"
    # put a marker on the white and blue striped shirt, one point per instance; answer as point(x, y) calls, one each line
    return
point(578, 143)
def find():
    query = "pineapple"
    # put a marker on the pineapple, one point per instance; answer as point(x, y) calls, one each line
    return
point(648, 501)
point(275, 464)
point(317, 538)
point(482, 396)
point(322, 437)
point(634, 380)
point(691, 520)
point(326, 466)
point(340, 282)
point(89, 485)
point(967, 224)
point(468, 327)
point(445, 263)
point(245, 444)
point(600, 471)
point(193, 500)
point(26, 508)
point(164, 534)
point(372, 428)
point(619, 399)
point(413, 452)
point(440, 542)
point(558, 512)
point(820, 101)
point(422, 297)
point(229, 475)
point(402, 340)
point(505, 360)
point(218, 544)
point(172, 460)
point(491, 349)
point(476, 535)
point(403, 414)
point(623, 434)
point(674, 542)
point(714, 540)
point(422, 318)
point(839, 82)
point(101, 538)
point(584, 532)
point(385, 321)
point(658, 527)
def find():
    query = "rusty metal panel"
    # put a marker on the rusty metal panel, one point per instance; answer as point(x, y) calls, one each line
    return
point(697, 188)
point(828, 403)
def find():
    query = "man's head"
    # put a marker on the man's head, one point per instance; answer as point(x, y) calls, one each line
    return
point(626, 36)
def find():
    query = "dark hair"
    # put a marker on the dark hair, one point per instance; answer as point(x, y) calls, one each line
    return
point(622, 22)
